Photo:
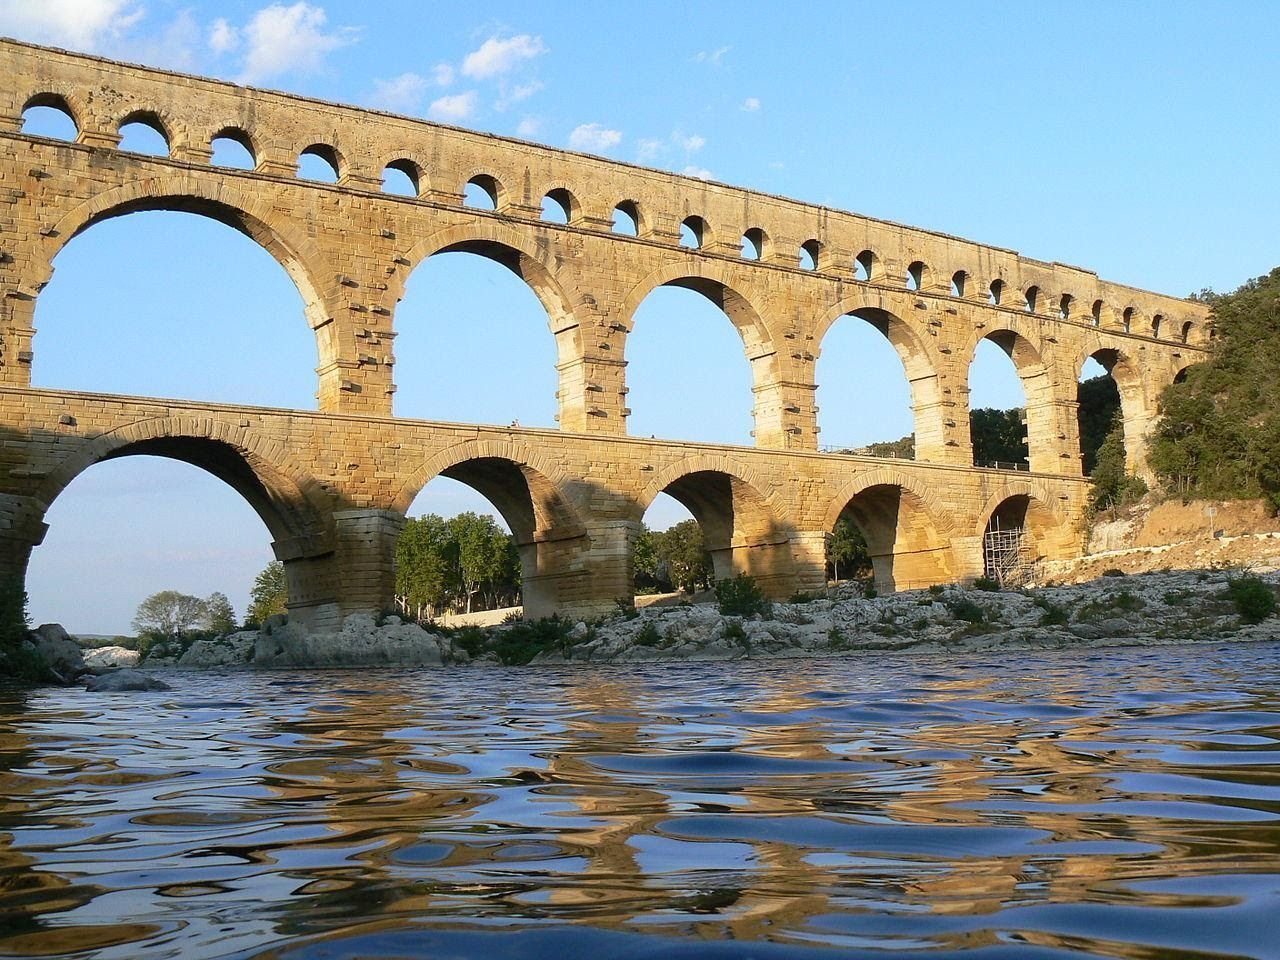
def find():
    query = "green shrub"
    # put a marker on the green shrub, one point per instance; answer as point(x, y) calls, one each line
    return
point(802, 596)
point(14, 622)
point(987, 584)
point(470, 639)
point(648, 635)
point(869, 588)
point(1124, 600)
point(521, 642)
point(1254, 600)
point(1053, 616)
point(1114, 572)
point(733, 631)
point(626, 608)
point(741, 597)
point(937, 590)
point(962, 608)
point(1176, 598)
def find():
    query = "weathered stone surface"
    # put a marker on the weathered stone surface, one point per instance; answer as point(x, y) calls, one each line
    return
point(120, 681)
point(110, 658)
point(58, 650)
point(230, 651)
point(360, 642)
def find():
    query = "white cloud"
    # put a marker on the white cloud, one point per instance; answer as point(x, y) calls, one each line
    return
point(281, 39)
point(702, 173)
point(458, 106)
point(751, 104)
point(691, 144)
point(442, 74)
point(649, 149)
point(517, 94)
point(223, 37)
point(499, 56)
point(594, 138)
point(79, 24)
point(402, 94)
point(529, 127)
point(713, 57)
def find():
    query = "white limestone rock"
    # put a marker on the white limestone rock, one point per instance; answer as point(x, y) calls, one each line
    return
point(100, 659)
point(359, 642)
point(233, 650)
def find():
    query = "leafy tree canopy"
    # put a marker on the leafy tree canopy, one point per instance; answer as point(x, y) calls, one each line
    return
point(169, 614)
point(269, 594)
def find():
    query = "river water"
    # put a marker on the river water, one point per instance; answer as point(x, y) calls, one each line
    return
point(1111, 803)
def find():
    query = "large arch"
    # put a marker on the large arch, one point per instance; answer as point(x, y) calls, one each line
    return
point(527, 491)
point(723, 287)
point(918, 363)
point(1128, 379)
point(742, 531)
point(228, 204)
point(1037, 390)
point(296, 509)
point(904, 525)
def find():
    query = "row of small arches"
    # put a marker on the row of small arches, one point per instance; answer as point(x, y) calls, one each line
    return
point(144, 131)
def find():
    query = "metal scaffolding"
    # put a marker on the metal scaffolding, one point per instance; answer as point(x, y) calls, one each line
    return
point(1006, 555)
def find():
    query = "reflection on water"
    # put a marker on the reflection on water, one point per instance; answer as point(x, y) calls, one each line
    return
point(1117, 803)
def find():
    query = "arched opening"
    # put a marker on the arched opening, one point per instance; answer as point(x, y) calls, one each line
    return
point(181, 307)
point(809, 253)
point(559, 206)
point(864, 266)
point(865, 374)
point(402, 178)
point(626, 219)
point(120, 530)
point(1156, 323)
point(693, 231)
point(488, 533)
point(319, 162)
point(889, 529)
point(1064, 307)
point(1181, 375)
point(915, 276)
point(232, 148)
point(999, 427)
point(1126, 320)
point(482, 192)
point(1014, 541)
point(1096, 313)
point(472, 342)
point(957, 283)
point(738, 531)
point(143, 132)
point(669, 558)
point(49, 115)
point(1186, 332)
point(753, 242)
point(1098, 410)
point(995, 292)
point(1031, 297)
point(687, 375)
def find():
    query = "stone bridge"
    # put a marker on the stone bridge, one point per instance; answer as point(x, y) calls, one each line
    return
point(333, 485)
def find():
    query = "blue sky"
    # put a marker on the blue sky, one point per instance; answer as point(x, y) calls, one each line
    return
point(1135, 139)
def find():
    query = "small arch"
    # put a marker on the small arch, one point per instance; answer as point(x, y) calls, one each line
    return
point(49, 115)
point(402, 178)
point(232, 147)
point(916, 275)
point(626, 219)
point(482, 192)
point(1156, 323)
point(1181, 375)
point(1095, 315)
point(995, 292)
point(1126, 320)
point(1186, 332)
point(753, 244)
point(906, 548)
point(693, 232)
point(1017, 534)
point(319, 162)
point(559, 206)
point(1032, 295)
point(1064, 306)
point(958, 282)
point(864, 266)
point(142, 131)
point(809, 253)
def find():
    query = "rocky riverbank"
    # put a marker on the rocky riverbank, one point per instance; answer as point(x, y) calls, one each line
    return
point(1169, 607)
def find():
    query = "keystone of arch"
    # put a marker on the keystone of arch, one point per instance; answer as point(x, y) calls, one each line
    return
point(280, 475)
point(935, 512)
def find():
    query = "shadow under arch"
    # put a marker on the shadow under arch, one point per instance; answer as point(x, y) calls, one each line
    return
point(741, 530)
point(1037, 392)
point(526, 489)
point(918, 363)
point(903, 524)
point(1029, 507)
point(722, 287)
point(227, 204)
point(296, 509)
point(1129, 384)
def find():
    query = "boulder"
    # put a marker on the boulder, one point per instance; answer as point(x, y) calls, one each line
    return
point(359, 642)
point(120, 681)
point(110, 658)
point(58, 650)
point(235, 649)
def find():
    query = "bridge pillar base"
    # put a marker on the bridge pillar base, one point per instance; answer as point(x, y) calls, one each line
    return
point(364, 563)
point(809, 560)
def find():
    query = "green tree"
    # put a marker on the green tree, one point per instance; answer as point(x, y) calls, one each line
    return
point(168, 614)
point(1111, 484)
point(14, 622)
point(484, 559)
point(644, 559)
point(1219, 430)
point(425, 566)
point(269, 594)
point(219, 616)
point(999, 436)
point(847, 551)
point(1099, 407)
point(683, 556)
